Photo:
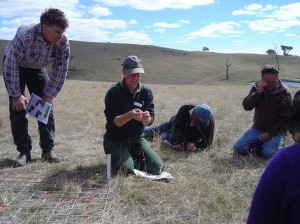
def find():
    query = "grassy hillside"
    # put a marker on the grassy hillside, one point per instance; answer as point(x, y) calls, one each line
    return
point(102, 62)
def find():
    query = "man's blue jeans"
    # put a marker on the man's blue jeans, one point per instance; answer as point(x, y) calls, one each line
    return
point(163, 130)
point(250, 139)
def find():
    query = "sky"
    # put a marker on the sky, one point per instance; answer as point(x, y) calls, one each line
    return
point(222, 26)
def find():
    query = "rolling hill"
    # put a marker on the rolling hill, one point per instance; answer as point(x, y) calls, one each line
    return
point(102, 62)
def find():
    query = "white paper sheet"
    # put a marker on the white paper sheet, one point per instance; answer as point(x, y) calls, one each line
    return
point(162, 176)
point(36, 110)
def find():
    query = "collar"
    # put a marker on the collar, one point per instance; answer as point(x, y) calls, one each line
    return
point(40, 36)
point(190, 112)
point(277, 89)
point(39, 33)
point(124, 86)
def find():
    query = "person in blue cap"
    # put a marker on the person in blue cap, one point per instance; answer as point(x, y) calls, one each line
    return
point(191, 129)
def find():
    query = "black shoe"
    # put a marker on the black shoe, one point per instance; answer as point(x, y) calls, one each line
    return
point(22, 159)
point(50, 157)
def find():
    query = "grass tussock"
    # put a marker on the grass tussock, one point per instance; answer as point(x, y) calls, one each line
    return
point(212, 186)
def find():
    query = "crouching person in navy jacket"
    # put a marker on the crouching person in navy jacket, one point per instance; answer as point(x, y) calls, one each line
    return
point(191, 129)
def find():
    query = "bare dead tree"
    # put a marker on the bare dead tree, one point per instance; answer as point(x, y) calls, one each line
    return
point(227, 66)
point(276, 50)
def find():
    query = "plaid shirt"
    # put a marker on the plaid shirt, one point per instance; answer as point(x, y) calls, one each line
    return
point(28, 49)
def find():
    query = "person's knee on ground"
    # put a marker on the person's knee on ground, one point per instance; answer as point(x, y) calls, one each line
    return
point(241, 149)
point(271, 147)
point(121, 166)
point(244, 149)
point(268, 154)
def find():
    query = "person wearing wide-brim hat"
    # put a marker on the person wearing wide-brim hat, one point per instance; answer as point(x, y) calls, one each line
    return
point(129, 108)
point(191, 129)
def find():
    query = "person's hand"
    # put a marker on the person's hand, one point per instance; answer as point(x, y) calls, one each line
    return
point(179, 147)
point(264, 137)
point(145, 115)
point(47, 99)
point(191, 147)
point(19, 103)
point(261, 86)
point(136, 114)
point(146, 118)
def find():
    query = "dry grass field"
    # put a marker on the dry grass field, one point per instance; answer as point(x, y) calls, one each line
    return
point(213, 186)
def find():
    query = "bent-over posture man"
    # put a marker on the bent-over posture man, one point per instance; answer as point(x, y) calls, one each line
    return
point(33, 48)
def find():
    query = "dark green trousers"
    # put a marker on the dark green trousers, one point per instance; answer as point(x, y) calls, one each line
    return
point(136, 153)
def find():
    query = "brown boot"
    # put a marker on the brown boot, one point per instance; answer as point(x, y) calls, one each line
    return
point(50, 157)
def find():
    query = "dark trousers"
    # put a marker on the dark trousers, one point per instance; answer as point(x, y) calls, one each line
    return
point(134, 153)
point(35, 80)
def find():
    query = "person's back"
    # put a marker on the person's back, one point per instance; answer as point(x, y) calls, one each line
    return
point(277, 196)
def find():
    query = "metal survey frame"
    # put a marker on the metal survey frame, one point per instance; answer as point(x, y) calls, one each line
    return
point(24, 200)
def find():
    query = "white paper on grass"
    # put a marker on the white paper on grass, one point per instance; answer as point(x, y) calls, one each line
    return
point(163, 175)
point(36, 110)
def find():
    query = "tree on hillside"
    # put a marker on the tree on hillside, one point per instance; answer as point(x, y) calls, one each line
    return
point(286, 49)
point(276, 55)
point(205, 49)
point(271, 52)
point(227, 66)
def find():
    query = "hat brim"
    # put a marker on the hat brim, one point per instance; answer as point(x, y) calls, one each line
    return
point(134, 70)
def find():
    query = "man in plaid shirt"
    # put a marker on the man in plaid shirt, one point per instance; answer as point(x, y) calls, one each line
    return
point(33, 48)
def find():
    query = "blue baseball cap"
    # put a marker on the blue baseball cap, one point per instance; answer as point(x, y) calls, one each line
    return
point(203, 115)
